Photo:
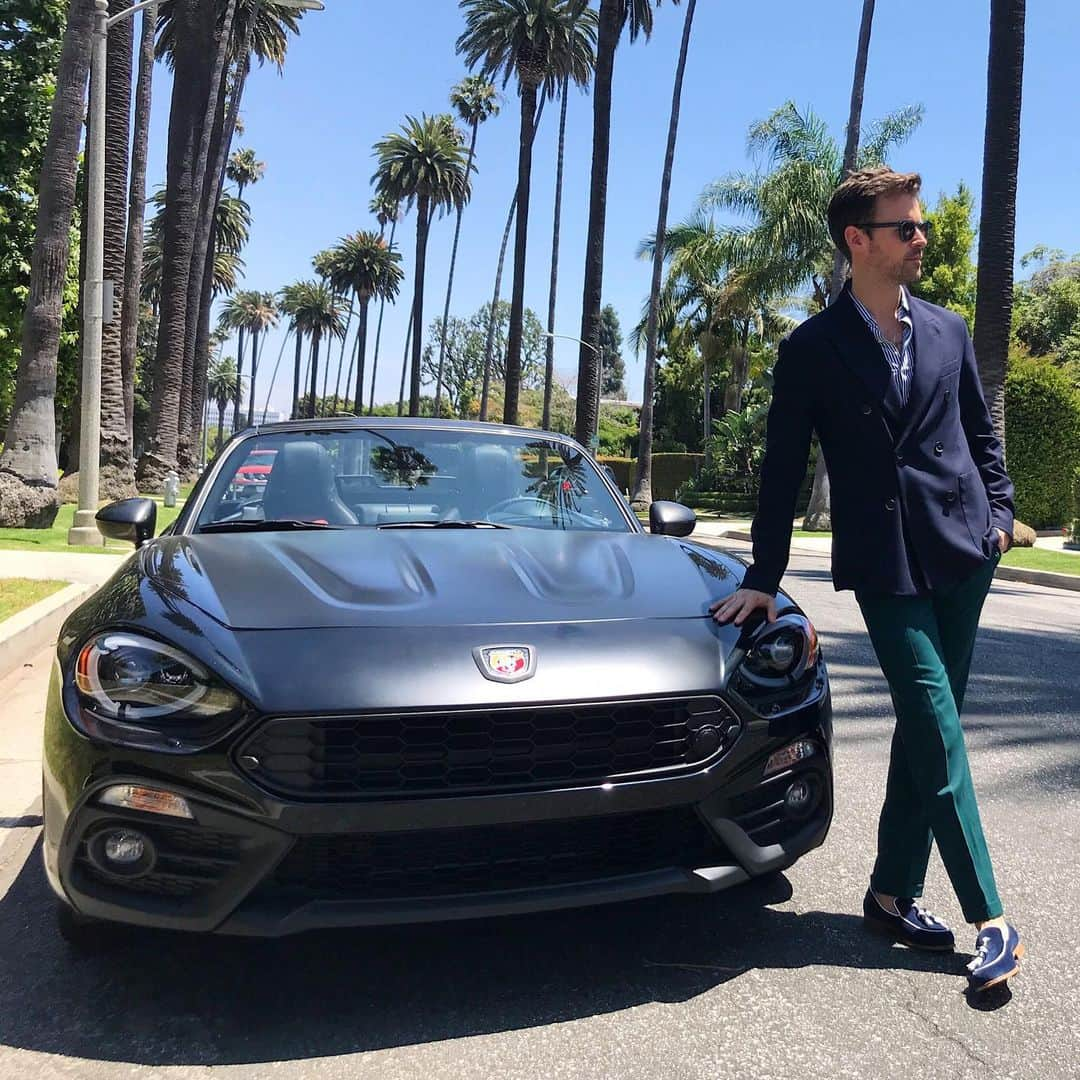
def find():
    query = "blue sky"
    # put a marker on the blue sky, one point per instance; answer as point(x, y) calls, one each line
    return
point(361, 66)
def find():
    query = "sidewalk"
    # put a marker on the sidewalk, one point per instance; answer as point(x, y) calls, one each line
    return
point(717, 530)
point(76, 567)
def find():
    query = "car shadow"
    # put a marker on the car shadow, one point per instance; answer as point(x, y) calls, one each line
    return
point(161, 999)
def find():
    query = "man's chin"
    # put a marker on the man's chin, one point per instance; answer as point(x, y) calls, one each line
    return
point(912, 271)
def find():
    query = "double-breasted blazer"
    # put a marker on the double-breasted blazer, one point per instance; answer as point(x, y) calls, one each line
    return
point(917, 492)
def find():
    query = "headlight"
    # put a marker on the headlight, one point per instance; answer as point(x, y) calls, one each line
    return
point(782, 652)
point(139, 691)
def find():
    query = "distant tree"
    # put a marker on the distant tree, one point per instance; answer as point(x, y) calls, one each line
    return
point(1046, 311)
point(948, 276)
point(612, 367)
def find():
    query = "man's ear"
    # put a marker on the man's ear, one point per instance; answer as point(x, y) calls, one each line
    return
point(855, 238)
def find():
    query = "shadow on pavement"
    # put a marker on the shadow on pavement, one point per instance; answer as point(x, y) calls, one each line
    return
point(164, 999)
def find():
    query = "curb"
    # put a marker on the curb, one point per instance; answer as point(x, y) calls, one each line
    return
point(1047, 578)
point(30, 630)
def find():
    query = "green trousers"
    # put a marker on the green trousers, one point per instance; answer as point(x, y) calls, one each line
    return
point(924, 645)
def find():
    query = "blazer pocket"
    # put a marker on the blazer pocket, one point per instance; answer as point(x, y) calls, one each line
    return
point(975, 507)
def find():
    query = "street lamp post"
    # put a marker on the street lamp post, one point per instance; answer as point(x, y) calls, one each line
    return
point(599, 359)
point(84, 529)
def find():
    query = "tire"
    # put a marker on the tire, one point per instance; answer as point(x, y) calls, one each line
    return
point(84, 934)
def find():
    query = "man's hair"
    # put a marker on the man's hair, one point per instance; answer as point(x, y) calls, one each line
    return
point(853, 201)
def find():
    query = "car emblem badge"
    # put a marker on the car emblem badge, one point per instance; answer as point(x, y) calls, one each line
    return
point(506, 663)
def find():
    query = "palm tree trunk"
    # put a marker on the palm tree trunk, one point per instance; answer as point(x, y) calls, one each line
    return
point(192, 80)
point(133, 255)
point(28, 464)
point(405, 361)
point(521, 240)
point(314, 373)
point(851, 143)
point(214, 141)
point(202, 339)
point(348, 377)
point(818, 516)
point(450, 279)
point(341, 361)
point(997, 218)
point(588, 383)
point(553, 286)
point(489, 344)
point(378, 337)
point(423, 224)
point(361, 346)
point(220, 422)
point(254, 371)
point(643, 479)
point(294, 411)
point(239, 381)
point(117, 471)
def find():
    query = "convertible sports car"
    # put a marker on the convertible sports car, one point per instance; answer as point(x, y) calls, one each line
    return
point(433, 670)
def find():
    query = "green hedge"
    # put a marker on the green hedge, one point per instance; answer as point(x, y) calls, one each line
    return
point(669, 472)
point(1074, 528)
point(1042, 440)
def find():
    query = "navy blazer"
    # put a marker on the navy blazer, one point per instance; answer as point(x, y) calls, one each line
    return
point(914, 498)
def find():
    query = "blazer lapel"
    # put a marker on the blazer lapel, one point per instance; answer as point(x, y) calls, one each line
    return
point(858, 348)
point(926, 341)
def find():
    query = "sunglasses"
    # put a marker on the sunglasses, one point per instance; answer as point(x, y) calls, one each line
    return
point(904, 229)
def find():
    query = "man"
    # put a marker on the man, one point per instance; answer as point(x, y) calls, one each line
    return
point(921, 511)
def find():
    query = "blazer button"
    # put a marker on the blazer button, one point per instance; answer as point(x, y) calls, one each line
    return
point(890, 504)
point(950, 496)
point(948, 394)
point(939, 448)
point(867, 410)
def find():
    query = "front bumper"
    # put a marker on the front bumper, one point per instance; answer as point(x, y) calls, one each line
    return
point(256, 864)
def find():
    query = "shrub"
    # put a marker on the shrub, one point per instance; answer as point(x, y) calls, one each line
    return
point(1074, 528)
point(1042, 439)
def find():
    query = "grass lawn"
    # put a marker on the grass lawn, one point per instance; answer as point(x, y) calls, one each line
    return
point(55, 539)
point(19, 593)
point(1060, 562)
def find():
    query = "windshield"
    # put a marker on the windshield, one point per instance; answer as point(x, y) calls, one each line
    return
point(408, 477)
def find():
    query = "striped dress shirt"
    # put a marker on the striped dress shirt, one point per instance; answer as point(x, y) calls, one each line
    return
point(901, 360)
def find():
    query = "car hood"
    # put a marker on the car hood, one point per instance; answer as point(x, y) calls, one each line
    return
point(417, 578)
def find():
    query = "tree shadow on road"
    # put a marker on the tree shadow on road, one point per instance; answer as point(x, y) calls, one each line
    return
point(168, 999)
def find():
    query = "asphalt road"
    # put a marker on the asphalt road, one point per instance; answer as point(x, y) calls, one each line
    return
point(774, 980)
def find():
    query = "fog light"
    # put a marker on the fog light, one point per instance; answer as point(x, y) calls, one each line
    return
point(799, 799)
point(124, 847)
point(122, 852)
point(149, 800)
point(790, 755)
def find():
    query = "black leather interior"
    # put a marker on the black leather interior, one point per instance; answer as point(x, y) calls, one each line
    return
point(301, 486)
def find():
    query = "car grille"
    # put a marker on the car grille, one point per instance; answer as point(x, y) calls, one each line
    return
point(496, 858)
point(486, 749)
point(189, 862)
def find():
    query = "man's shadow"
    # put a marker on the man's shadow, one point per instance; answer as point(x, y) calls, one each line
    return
point(169, 999)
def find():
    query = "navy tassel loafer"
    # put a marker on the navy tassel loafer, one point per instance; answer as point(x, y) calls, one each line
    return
point(997, 956)
point(909, 924)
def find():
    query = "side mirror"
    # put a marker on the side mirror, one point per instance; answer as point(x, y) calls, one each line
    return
point(671, 518)
point(134, 520)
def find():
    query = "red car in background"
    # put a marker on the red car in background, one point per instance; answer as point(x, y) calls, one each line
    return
point(253, 474)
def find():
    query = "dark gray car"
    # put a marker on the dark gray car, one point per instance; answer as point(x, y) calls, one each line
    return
point(428, 670)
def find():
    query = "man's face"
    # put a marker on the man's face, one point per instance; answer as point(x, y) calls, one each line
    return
point(881, 251)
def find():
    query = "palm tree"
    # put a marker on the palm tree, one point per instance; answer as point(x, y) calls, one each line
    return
point(262, 315)
point(553, 282)
point(614, 16)
point(366, 266)
point(643, 480)
point(133, 253)
point(540, 42)
point(475, 100)
point(387, 212)
point(997, 218)
point(235, 315)
point(244, 169)
point(315, 312)
point(221, 382)
point(290, 300)
point(424, 164)
point(28, 469)
point(117, 468)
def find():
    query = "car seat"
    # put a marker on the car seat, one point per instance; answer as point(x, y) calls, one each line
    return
point(301, 486)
